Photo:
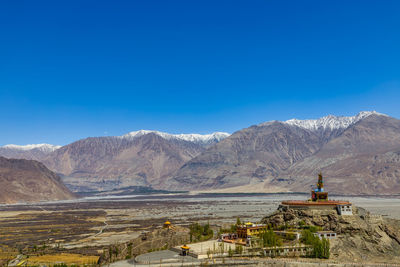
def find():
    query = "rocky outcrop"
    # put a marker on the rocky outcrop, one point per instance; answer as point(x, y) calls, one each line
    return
point(361, 236)
point(29, 181)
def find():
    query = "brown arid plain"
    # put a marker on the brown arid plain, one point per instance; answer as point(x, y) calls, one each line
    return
point(89, 230)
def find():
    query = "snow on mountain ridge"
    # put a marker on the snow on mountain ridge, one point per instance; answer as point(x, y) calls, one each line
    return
point(332, 122)
point(42, 147)
point(196, 138)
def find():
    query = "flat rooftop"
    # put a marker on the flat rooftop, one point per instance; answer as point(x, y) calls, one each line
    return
point(314, 203)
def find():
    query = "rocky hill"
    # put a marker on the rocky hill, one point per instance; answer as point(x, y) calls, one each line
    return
point(29, 181)
point(358, 155)
point(361, 237)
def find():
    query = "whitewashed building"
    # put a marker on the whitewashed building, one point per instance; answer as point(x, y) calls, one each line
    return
point(345, 209)
point(326, 234)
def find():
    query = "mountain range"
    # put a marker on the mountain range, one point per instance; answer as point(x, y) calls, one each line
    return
point(140, 158)
point(357, 155)
point(35, 152)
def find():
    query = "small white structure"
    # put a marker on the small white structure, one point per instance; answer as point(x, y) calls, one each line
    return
point(326, 234)
point(227, 236)
point(345, 209)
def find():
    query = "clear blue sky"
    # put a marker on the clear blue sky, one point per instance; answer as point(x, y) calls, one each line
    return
point(73, 69)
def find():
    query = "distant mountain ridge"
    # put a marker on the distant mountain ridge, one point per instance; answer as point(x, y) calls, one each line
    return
point(42, 147)
point(331, 122)
point(34, 151)
point(106, 163)
point(358, 154)
point(202, 139)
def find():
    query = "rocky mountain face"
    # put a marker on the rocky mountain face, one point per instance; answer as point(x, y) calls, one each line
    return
point(357, 155)
point(249, 156)
point(104, 163)
point(363, 159)
point(361, 237)
point(140, 158)
point(29, 181)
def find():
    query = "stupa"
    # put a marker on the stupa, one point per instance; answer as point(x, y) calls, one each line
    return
point(319, 200)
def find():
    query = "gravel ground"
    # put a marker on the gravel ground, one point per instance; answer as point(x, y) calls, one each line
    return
point(119, 219)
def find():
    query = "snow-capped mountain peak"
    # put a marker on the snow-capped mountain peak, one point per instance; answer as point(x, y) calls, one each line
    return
point(42, 147)
point(331, 122)
point(195, 138)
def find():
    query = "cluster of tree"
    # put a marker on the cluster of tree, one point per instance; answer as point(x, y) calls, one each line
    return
point(270, 239)
point(321, 247)
point(200, 232)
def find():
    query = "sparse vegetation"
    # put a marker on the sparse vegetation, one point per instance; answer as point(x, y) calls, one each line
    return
point(200, 232)
point(238, 249)
point(230, 252)
point(321, 248)
point(270, 239)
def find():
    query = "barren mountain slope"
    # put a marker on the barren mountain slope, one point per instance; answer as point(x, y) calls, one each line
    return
point(363, 159)
point(357, 155)
point(121, 162)
point(29, 181)
point(249, 156)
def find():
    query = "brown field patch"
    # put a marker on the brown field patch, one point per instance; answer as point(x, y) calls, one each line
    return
point(66, 258)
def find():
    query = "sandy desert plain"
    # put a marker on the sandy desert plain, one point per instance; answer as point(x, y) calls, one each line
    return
point(86, 226)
